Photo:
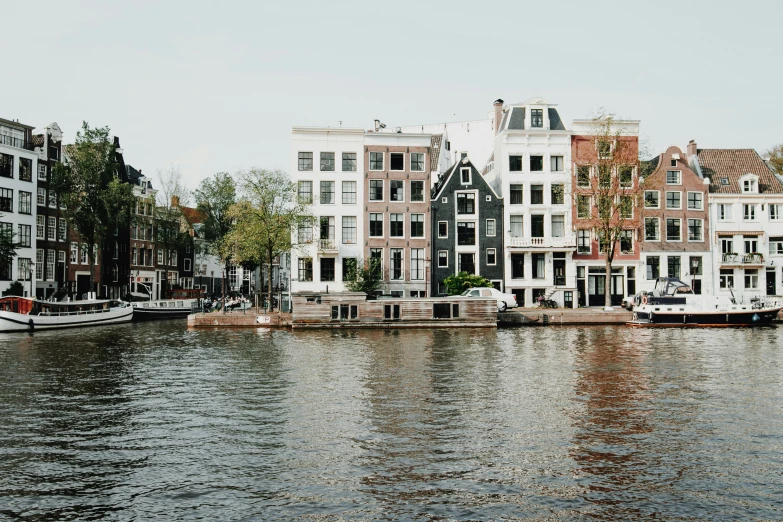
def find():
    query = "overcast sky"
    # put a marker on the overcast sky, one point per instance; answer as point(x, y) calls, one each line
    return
point(216, 86)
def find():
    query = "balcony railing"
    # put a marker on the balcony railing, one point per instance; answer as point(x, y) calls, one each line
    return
point(542, 242)
point(327, 245)
point(746, 259)
point(19, 143)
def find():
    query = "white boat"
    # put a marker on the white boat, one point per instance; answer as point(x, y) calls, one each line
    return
point(673, 303)
point(164, 309)
point(23, 314)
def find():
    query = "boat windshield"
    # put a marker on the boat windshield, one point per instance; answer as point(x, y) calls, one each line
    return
point(667, 286)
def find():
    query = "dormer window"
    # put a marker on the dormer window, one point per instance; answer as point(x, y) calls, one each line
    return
point(537, 118)
point(749, 185)
point(674, 162)
point(724, 181)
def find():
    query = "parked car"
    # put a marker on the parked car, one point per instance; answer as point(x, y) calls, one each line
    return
point(505, 301)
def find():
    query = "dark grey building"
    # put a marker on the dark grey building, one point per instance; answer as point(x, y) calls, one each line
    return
point(467, 227)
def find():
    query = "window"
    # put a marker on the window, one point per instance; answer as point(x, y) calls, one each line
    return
point(327, 269)
point(396, 190)
point(652, 199)
point(306, 269)
point(41, 172)
point(583, 242)
point(491, 228)
point(517, 192)
point(134, 256)
point(25, 202)
point(49, 265)
point(417, 162)
point(517, 266)
point(39, 264)
point(443, 259)
point(466, 203)
point(417, 191)
point(327, 162)
point(537, 225)
point(25, 236)
point(673, 229)
point(417, 225)
point(51, 230)
point(626, 176)
point(653, 267)
point(776, 246)
point(466, 233)
point(86, 255)
point(626, 207)
point(326, 227)
point(727, 278)
point(515, 163)
point(62, 228)
point(305, 161)
point(724, 212)
point(749, 212)
point(556, 163)
point(536, 118)
point(6, 165)
point(583, 206)
point(443, 229)
point(464, 176)
point(395, 263)
point(774, 212)
point(327, 192)
point(695, 230)
point(186, 265)
point(673, 201)
point(376, 161)
point(726, 246)
point(751, 278)
point(558, 225)
point(604, 176)
point(672, 177)
point(695, 201)
point(74, 253)
point(536, 194)
point(536, 163)
point(41, 201)
point(583, 176)
point(604, 149)
point(376, 190)
point(695, 261)
point(349, 162)
point(6, 200)
point(305, 232)
point(396, 161)
point(40, 224)
point(52, 199)
point(751, 244)
point(349, 268)
point(652, 231)
point(626, 241)
point(749, 185)
point(25, 169)
point(516, 226)
point(396, 228)
point(349, 230)
point(492, 259)
point(557, 194)
point(673, 263)
point(537, 262)
point(417, 264)
point(376, 224)
point(349, 192)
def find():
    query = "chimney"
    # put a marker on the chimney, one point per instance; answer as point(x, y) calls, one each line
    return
point(692, 148)
point(498, 113)
point(174, 201)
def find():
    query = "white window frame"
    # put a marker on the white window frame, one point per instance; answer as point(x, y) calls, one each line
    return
point(447, 230)
point(371, 192)
point(382, 161)
point(667, 231)
point(701, 200)
point(423, 228)
point(658, 220)
point(402, 184)
point(584, 232)
point(42, 172)
point(462, 172)
point(667, 207)
point(777, 214)
point(390, 162)
point(186, 267)
point(370, 222)
point(679, 177)
point(495, 253)
point(726, 210)
point(701, 221)
point(748, 216)
point(658, 206)
point(446, 257)
point(494, 228)
point(419, 262)
point(423, 160)
point(401, 220)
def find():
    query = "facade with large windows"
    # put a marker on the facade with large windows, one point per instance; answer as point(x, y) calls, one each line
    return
point(328, 169)
point(746, 213)
point(676, 235)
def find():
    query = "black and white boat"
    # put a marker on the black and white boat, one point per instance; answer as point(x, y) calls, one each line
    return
point(164, 309)
point(23, 314)
point(673, 303)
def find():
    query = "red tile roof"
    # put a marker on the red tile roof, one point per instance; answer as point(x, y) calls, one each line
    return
point(192, 215)
point(732, 164)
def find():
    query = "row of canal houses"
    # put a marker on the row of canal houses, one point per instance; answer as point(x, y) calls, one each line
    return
point(497, 197)
point(52, 260)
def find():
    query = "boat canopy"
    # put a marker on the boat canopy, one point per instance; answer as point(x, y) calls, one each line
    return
point(668, 286)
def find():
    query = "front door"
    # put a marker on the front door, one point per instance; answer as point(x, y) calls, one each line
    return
point(771, 282)
point(596, 290)
point(618, 290)
point(580, 291)
point(558, 266)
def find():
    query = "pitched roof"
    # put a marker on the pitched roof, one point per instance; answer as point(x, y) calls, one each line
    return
point(435, 144)
point(192, 215)
point(732, 164)
point(38, 140)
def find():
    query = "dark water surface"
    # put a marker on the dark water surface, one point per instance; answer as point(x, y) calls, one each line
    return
point(152, 421)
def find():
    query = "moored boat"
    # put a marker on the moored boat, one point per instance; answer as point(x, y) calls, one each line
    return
point(164, 309)
point(23, 314)
point(673, 303)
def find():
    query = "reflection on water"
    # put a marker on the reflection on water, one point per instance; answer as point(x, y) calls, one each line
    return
point(149, 421)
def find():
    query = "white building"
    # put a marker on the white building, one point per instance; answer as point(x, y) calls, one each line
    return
point(18, 165)
point(530, 169)
point(328, 168)
point(746, 215)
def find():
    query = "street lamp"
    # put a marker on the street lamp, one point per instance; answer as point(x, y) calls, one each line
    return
point(32, 267)
point(694, 267)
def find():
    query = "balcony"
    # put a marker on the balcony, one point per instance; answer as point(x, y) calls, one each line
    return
point(742, 259)
point(327, 246)
point(18, 143)
point(542, 242)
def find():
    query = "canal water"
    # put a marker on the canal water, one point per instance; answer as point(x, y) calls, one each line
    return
point(153, 421)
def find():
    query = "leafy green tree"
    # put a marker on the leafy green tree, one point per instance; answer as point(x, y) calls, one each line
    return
point(88, 186)
point(264, 218)
point(456, 284)
point(214, 198)
point(364, 276)
point(776, 158)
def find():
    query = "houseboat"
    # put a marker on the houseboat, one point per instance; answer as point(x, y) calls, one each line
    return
point(354, 310)
point(23, 314)
point(178, 305)
point(673, 303)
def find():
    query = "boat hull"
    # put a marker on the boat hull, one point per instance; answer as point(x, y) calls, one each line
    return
point(15, 322)
point(164, 309)
point(759, 317)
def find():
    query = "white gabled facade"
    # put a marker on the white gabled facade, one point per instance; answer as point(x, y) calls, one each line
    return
point(328, 164)
point(531, 171)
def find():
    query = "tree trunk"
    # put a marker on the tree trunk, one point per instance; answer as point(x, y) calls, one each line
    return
point(269, 275)
point(225, 276)
point(608, 283)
